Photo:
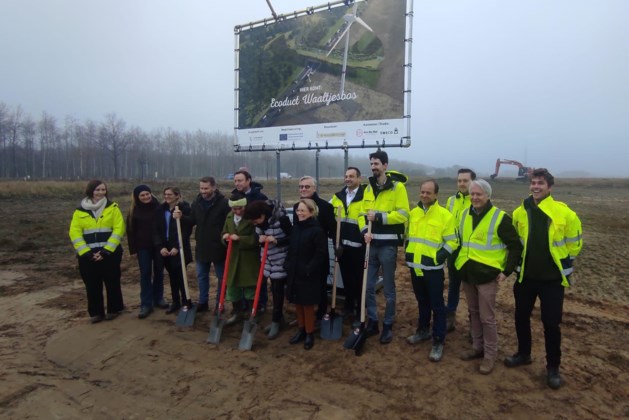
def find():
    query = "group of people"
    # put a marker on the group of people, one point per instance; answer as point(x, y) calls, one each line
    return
point(480, 244)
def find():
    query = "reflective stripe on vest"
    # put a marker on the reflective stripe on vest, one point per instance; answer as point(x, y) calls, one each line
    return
point(424, 267)
point(98, 230)
point(385, 236)
point(431, 244)
point(490, 234)
point(351, 243)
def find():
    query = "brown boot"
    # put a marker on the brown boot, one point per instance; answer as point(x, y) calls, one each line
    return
point(472, 354)
point(487, 365)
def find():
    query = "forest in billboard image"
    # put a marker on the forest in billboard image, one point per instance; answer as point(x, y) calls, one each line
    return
point(343, 63)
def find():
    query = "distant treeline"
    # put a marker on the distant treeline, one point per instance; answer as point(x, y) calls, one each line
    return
point(110, 149)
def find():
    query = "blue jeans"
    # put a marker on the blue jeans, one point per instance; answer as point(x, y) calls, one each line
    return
point(151, 277)
point(429, 294)
point(454, 285)
point(203, 279)
point(384, 256)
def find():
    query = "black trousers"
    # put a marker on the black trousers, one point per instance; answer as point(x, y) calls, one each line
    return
point(278, 292)
point(94, 275)
point(352, 264)
point(175, 275)
point(551, 295)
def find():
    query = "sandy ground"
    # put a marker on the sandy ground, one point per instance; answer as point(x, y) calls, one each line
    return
point(54, 364)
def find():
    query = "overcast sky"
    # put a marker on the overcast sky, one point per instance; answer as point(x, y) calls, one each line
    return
point(545, 82)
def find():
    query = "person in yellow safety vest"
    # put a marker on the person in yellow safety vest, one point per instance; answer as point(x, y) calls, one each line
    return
point(490, 250)
point(455, 205)
point(431, 239)
point(351, 250)
point(551, 233)
point(96, 230)
point(385, 205)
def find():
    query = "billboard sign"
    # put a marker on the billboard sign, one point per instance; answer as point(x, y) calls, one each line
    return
point(333, 76)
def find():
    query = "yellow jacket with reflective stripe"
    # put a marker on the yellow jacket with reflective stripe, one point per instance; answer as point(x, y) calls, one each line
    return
point(350, 233)
point(88, 233)
point(456, 204)
point(428, 232)
point(391, 207)
point(564, 235)
point(482, 244)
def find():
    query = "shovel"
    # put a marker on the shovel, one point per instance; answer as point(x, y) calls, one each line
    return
point(218, 322)
point(332, 323)
point(250, 327)
point(187, 313)
point(356, 340)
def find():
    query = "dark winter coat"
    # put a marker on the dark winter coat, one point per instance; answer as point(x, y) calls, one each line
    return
point(209, 221)
point(140, 224)
point(255, 193)
point(306, 259)
point(327, 222)
point(244, 264)
point(168, 238)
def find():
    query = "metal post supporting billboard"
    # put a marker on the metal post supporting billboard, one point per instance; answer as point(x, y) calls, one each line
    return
point(277, 174)
point(317, 153)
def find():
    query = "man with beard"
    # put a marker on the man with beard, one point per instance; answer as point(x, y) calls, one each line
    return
point(385, 205)
point(209, 211)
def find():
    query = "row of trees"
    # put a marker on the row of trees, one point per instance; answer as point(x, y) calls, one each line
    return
point(51, 149)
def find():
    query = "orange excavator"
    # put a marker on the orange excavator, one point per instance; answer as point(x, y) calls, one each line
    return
point(524, 172)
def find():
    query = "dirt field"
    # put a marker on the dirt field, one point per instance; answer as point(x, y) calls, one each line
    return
point(55, 364)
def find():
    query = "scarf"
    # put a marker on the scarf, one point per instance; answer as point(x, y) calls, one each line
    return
point(96, 208)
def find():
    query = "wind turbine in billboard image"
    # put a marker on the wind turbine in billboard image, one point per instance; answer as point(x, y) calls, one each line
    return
point(349, 19)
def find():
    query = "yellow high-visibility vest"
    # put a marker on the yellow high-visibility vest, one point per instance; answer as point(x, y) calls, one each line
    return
point(482, 244)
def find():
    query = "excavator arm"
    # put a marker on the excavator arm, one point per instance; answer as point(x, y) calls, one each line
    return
point(524, 172)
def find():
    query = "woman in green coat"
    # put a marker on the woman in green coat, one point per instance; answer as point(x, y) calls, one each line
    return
point(244, 261)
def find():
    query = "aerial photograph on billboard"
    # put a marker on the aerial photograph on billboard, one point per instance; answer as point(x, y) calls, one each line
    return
point(333, 75)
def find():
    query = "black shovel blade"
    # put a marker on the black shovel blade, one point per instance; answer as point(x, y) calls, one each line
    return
point(332, 326)
point(185, 318)
point(216, 329)
point(356, 340)
point(248, 333)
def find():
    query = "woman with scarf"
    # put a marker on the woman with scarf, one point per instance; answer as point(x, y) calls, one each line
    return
point(96, 230)
point(306, 260)
point(166, 240)
point(140, 223)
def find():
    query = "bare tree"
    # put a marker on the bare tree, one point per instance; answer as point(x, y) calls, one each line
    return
point(47, 129)
point(113, 139)
point(4, 128)
point(14, 138)
point(28, 131)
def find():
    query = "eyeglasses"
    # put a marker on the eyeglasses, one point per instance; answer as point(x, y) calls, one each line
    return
point(305, 187)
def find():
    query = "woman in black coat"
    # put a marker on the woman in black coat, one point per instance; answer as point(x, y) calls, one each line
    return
point(306, 259)
point(140, 224)
point(165, 238)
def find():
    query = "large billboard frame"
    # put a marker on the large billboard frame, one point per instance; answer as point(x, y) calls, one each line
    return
point(398, 138)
